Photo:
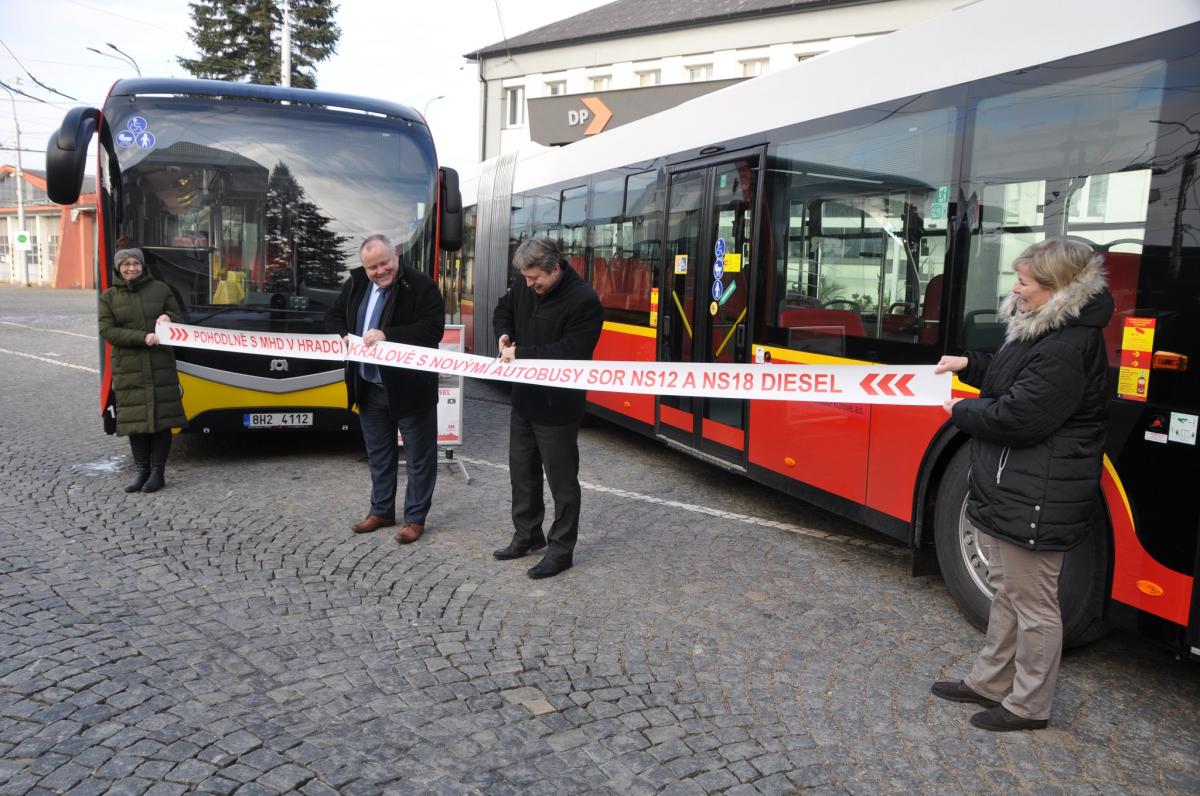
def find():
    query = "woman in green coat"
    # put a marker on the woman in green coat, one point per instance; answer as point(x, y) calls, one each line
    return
point(143, 372)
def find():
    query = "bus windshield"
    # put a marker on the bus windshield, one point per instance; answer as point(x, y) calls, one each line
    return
point(253, 212)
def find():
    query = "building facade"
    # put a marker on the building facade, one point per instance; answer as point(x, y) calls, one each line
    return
point(61, 239)
point(631, 58)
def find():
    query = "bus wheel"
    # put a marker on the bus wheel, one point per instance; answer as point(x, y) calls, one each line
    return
point(963, 560)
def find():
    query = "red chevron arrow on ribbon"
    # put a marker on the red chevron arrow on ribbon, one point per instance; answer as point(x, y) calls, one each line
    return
point(887, 384)
point(177, 334)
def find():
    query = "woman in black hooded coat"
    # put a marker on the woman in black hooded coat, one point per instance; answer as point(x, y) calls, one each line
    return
point(1037, 437)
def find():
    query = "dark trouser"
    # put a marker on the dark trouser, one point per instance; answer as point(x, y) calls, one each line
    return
point(556, 448)
point(150, 449)
point(383, 454)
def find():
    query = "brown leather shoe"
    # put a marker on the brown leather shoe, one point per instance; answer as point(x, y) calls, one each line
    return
point(410, 533)
point(372, 522)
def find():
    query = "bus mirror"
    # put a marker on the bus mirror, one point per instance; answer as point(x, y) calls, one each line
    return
point(450, 208)
point(66, 154)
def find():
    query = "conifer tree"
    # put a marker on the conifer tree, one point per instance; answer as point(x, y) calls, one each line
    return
point(240, 39)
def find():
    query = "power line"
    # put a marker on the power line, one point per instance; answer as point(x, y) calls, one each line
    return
point(23, 94)
point(503, 35)
point(122, 16)
point(31, 77)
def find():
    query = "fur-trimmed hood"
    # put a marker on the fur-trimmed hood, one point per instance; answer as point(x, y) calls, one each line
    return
point(1085, 301)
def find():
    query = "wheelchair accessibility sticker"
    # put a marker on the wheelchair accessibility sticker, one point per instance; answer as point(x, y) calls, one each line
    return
point(136, 132)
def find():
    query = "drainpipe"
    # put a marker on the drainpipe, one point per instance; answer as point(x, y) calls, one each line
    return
point(483, 116)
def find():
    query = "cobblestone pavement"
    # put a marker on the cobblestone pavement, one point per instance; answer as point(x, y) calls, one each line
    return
point(229, 634)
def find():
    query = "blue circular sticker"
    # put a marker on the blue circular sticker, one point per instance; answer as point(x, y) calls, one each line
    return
point(125, 138)
point(717, 290)
point(136, 123)
point(145, 139)
point(719, 268)
point(719, 248)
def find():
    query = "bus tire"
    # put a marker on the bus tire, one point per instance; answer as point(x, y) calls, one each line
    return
point(1081, 586)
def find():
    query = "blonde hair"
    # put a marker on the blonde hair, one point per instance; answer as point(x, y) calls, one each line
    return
point(1055, 263)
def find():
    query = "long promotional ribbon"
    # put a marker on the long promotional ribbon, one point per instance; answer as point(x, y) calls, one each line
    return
point(907, 385)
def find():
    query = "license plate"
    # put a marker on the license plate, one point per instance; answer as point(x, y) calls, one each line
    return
point(276, 419)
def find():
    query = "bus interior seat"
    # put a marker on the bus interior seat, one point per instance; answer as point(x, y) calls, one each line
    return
point(601, 279)
point(847, 322)
point(639, 286)
point(899, 324)
point(819, 330)
point(978, 333)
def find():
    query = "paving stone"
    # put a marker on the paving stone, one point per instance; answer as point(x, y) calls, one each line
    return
point(65, 777)
point(286, 777)
point(228, 633)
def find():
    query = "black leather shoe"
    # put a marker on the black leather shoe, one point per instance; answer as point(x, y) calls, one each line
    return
point(957, 691)
point(1001, 719)
point(515, 550)
point(548, 568)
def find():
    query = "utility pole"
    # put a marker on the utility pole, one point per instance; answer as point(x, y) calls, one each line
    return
point(285, 68)
point(20, 202)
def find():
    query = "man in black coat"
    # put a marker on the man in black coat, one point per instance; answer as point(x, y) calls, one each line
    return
point(547, 313)
point(387, 300)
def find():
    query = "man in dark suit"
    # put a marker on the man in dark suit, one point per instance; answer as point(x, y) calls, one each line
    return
point(547, 313)
point(388, 300)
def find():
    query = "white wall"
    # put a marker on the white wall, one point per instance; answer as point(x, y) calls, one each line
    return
point(780, 39)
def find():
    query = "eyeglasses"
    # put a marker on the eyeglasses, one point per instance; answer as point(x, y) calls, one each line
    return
point(130, 264)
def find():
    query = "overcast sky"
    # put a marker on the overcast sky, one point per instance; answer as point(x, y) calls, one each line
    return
point(401, 51)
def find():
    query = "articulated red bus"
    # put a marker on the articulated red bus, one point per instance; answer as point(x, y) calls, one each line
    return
point(869, 205)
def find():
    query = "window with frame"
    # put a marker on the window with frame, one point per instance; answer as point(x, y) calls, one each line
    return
point(1086, 171)
point(601, 82)
point(626, 227)
point(556, 88)
point(32, 256)
point(699, 72)
point(514, 106)
point(572, 228)
point(754, 67)
point(8, 190)
point(650, 77)
point(859, 211)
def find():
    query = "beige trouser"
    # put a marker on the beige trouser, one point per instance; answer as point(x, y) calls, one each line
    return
point(1024, 634)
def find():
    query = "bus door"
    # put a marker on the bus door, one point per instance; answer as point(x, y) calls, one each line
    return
point(708, 263)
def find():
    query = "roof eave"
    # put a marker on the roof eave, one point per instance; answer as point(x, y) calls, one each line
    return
point(502, 48)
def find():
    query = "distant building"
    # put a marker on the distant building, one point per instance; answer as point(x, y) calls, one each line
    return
point(61, 238)
point(632, 58)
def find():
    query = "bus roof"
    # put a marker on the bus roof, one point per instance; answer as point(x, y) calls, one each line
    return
point(160, 86)
point(979, 39)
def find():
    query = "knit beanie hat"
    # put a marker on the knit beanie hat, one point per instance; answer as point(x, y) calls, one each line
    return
point(125, 254)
